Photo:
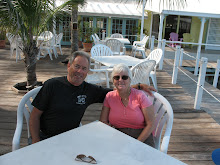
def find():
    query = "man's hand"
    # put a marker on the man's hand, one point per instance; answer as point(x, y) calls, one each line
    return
point(146, 88)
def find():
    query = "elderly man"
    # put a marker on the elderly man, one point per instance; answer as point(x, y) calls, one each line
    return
point(62, 101)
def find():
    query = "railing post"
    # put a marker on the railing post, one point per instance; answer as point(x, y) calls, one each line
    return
point(103, 34)
point(163, 51)
point(152, 43)
point(181, 56)
point(215, 81)
point(200, 83)
point(176, 63)
point(159, 44)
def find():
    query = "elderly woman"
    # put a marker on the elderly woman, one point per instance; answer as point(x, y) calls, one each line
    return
point(127, 109)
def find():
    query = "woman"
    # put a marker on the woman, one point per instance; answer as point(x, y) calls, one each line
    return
point(127, 109)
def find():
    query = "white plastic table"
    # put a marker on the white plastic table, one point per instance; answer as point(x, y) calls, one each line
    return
point(107, 145)
point(123, 40)
point(110, 61)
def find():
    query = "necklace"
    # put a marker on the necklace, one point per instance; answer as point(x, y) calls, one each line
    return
point(125, 99)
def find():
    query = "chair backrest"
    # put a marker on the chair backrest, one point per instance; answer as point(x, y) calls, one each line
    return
point(47, 35)
point(164, 120)
point(24, 109)
point(145, 39)
point(115, 45)
point(174, 36)
point(117, 35)
point(101, 50)
point(12, 39)
point(141, 72)
point(94, 39)
point(97, 37)
point(156, 55)
point(58, 39)
point(187, 37)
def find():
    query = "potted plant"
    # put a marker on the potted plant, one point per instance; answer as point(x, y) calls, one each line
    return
point(86, 33)
point(2, 38)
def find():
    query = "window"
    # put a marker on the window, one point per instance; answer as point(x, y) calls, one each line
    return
point(126, 27)
point(172, 25)
point(117, 26)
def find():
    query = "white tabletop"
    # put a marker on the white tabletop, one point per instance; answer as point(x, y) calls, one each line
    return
point(123, 40)
point(110, 61)
point(107, 145)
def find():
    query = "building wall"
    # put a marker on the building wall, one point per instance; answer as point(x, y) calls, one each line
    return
point(195, 29)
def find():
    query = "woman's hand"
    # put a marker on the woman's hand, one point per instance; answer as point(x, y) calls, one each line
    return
point(149, 117)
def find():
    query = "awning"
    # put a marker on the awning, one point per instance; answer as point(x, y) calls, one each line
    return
point(198, 8)
point(110, 9)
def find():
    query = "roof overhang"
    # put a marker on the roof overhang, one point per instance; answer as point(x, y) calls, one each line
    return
point(106, 8)
point(197, 8)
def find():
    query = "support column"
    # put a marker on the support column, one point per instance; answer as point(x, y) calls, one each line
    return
point(151, 24)
point(160, 30)
point(142, 20)
point(54, 18)
point(199, 46)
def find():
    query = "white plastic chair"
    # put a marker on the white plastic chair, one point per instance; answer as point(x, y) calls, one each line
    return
point(46, 47)
point(140, 46)
point(47, 35)
point(141, 72)
point(24, 108)
point(100, 73)
point(155, 55)
point(101, 50)
point(164, 120)
point(95, 40)
point(116, 46)
point(12, 41)
point(117, 35)
point(96, 36)
point(58, 39)
point(15, 44)
point(98, 76)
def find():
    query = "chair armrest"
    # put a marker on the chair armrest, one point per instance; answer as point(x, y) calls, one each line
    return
point(124, 49)
point(99, 70)
point(136, 42)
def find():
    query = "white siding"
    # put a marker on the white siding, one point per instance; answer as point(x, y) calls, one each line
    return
point(213, 35)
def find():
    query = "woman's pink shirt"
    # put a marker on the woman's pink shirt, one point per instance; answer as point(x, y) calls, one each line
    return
point(130, 116)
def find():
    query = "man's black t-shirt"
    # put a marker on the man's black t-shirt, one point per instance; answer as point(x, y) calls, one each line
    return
point(64, 104)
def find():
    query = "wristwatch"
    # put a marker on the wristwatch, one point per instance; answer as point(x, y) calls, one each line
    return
point(139, 86)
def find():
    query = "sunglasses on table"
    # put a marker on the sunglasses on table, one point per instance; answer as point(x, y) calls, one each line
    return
point(124, 77)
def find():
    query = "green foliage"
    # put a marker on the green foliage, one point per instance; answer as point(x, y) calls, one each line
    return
point(2, 33)
point(28, 18)
point(86, 31)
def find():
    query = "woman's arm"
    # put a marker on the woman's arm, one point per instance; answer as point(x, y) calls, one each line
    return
point(149, 119)
point(104, 115)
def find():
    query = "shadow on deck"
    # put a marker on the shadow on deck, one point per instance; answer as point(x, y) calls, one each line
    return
point(195, 133)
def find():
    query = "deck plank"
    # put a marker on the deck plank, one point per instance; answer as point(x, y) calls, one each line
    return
point(195, 133)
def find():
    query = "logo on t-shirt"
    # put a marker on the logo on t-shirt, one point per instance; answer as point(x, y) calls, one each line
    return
point(81, 99)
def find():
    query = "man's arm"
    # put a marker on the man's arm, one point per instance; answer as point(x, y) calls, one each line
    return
point(34, 123)
point(145, 88)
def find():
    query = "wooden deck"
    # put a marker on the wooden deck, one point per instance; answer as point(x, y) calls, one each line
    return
point(195, 133)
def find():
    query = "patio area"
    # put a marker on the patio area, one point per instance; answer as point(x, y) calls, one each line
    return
point(195, 133)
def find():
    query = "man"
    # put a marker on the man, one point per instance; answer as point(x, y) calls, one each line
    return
point(62, 101)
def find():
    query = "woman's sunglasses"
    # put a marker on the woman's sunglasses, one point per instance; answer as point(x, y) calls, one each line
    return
point(124, 77)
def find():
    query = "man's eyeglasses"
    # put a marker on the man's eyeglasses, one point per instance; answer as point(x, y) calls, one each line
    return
point(124, 77)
